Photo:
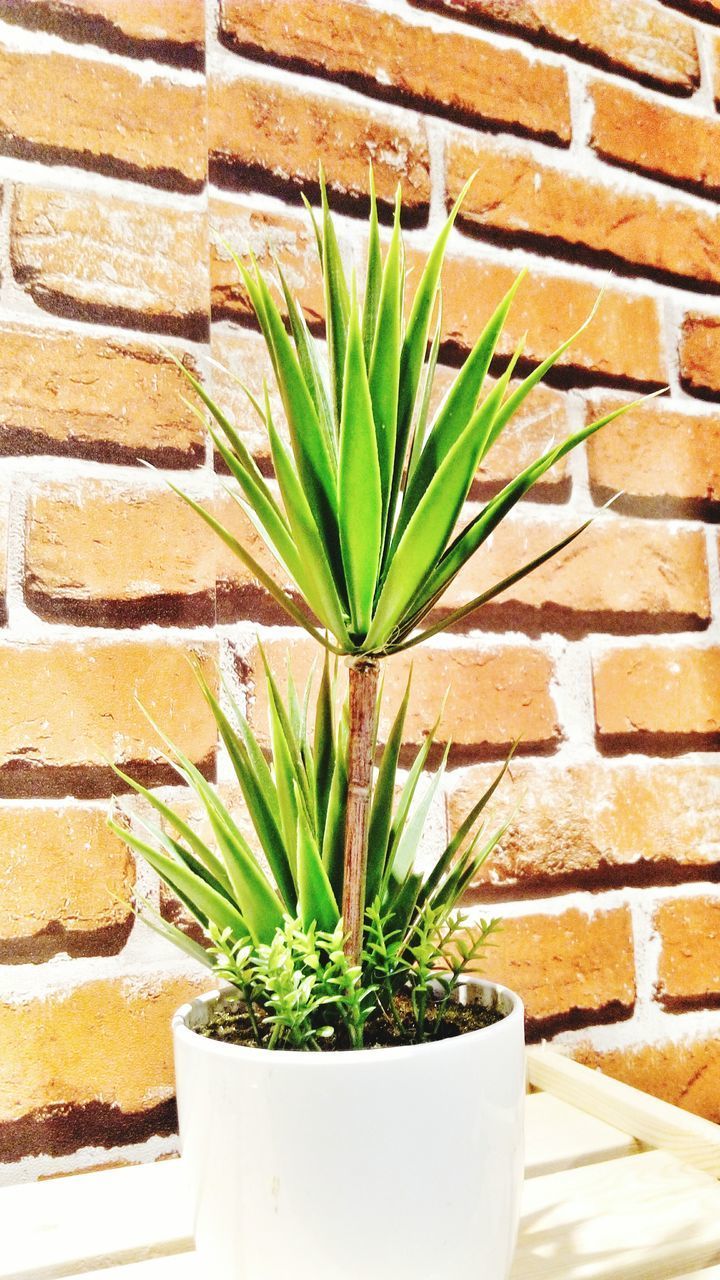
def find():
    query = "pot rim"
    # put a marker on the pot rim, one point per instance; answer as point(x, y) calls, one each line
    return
point(284, 1058)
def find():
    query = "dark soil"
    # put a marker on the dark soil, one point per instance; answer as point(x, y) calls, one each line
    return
point(230, 1024)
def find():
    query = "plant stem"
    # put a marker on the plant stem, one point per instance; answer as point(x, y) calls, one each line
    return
point(363, 694)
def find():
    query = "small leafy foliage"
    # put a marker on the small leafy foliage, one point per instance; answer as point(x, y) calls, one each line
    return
point(298, 989)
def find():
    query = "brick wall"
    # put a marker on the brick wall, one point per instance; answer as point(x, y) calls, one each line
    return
point(596, 132)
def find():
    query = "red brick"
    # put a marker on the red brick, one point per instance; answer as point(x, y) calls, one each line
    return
point(596, 824)
point(655, 453)
point(93, 398)
point(67, 707)
point(673, 692)
point(624, 339)
point(689, 964)
point(640, 39)
point(494, 693)
point(57, 107)
point(569, 969)
point(619, 575)
point(456, 74)
point(271, 130)
point(700, 354)
point(170, 29)
point(517, 196)
point(114, 554)
point(87, 1064)
point(106, 258)
point(66, 882)
point(685, 1071)
point(541, 421)
point(656, 139)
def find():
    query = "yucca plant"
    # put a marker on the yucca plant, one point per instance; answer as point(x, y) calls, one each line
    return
point(276, 931)
point(371, 491)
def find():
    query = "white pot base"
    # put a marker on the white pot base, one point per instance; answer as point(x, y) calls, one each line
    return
point(386, 1164)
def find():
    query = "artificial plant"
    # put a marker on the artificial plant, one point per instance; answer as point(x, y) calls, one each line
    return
point(370, 493)
point(269, 911)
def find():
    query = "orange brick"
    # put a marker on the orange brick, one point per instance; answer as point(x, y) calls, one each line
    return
point(166, 29)
point(289, 237)
point(90, 1065)
point(516, 196)
point(113, 554)
point(685, 1072)
point(453, 73)
point(700, 354)
point(649, 43)
point(244, 355)
point(67, 707)
point(93, 398)
point(594, 825)
point(269, 129)
point(619, 575)
point(65, 882)
point(624, 340)
point(569, 969)
point(656, 139)
point(239, 594)
point(494, 693)
point(541, 421)
point(672, 692)
point(105, 258)
point(689, 966)
point(56, 107)
point(653, 454)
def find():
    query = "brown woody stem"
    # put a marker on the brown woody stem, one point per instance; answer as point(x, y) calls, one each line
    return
point(363, 694)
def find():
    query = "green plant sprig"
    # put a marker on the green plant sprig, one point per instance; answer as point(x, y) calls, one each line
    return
point(371, 489)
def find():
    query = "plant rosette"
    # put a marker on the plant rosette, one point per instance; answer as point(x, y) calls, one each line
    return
point(396, 1163)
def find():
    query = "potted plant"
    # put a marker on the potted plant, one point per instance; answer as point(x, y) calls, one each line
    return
point(351, 1103)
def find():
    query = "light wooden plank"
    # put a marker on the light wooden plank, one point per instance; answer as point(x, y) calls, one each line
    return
point(654, 1122)
point(644, 1217)
point(182, 1266)
point(558, 1136)
point(74, 1223)
point(71, 1225)
point(710, 1273)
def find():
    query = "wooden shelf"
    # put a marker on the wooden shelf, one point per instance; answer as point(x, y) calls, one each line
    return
point(619, 1186)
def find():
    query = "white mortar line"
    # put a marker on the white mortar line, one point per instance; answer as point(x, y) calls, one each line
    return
point(704, 97)
point(36, 43)
point(712, 534)
point(62, 975)
point(581, 109)
point(17, 611)
point(436, 147)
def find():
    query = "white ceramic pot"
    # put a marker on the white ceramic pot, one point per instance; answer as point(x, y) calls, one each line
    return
point(384, 1164)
